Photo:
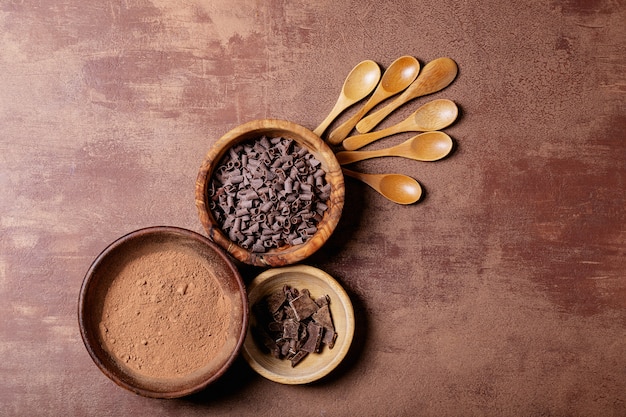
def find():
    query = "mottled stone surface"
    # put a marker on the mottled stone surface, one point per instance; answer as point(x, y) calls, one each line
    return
point(502, 293)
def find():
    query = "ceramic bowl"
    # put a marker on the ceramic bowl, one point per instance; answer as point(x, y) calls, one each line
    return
point(315, 365)
point(289, 253)
point(129, 362)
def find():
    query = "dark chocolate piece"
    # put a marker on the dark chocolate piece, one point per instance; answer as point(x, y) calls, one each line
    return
point(303, 306)
point(275, 301)
point(322, 316)
point(279, 316)
point(290, 293)
point(294, 324)
point(295, 359)
point(291, 329)
point(283, 344)
point(289, 313)
point(322, 301)
point(329, 338)
point(314, 338)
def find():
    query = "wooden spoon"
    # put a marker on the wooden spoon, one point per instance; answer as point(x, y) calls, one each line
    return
point(435, 76)
point(360, 82)
point(434, 115)
point(400, 74)
point(398, 188)
point(429, 146)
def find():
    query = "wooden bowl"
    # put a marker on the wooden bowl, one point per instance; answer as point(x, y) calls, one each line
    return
point(315, 365)
point(288, 254)
point(136, 320)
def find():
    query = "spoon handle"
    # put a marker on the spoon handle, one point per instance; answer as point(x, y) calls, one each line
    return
point(369, 179)
point(370, 122)
point(341, 104)
point(435, 76)
point(336, 136)
point(358, 141)
point(348, 157)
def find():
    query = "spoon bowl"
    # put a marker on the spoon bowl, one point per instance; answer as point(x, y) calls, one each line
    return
point(400, 74)
point(434, 115)
point(429, 146)
point(360, 82)
point(435, 76)
point(398, 188)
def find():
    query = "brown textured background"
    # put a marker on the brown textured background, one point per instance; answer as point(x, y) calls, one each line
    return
point(502, 293)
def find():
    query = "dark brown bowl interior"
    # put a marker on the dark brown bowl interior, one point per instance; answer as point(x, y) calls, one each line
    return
point(285, 255)
point(102, 274)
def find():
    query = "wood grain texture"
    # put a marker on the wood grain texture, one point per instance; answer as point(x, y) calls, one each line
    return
point(508, 277)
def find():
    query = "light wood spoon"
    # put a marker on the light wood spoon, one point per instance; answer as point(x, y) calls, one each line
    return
point(434, 115)
point(435, 76)
point(359, 84)
point(400, 189)
point(400, 74)
point(428, 147)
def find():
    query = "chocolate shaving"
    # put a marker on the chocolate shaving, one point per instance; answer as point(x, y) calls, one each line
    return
point(261, 179)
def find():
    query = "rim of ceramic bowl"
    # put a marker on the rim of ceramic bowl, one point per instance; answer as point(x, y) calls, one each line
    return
point(179, 387)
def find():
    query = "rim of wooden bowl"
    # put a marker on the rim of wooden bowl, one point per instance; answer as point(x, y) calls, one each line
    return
point(89, 299)
point(273, 128)
point(316, 365)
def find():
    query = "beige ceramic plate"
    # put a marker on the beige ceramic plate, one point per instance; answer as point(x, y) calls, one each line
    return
point(315, 365)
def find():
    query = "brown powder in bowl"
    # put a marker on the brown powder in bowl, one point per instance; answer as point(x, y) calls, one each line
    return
point(165, 314)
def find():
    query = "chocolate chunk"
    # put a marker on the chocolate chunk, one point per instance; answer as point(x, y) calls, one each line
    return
point(291, 329)
point(294, 346)
point(283, 344)
point(314, 338)
point(323, 317)
point(303, 306)
point(322, 301)
point(329, 338)
point(279, 315)
point(289, 313)
point(303, 333)
point(275, 301)
point(290, 293)
point(295, 359)
point(294, 324)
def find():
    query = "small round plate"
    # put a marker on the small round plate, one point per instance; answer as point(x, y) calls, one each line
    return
point(316, 365)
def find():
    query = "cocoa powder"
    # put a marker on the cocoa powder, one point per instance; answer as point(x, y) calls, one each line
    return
point(165, 314)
